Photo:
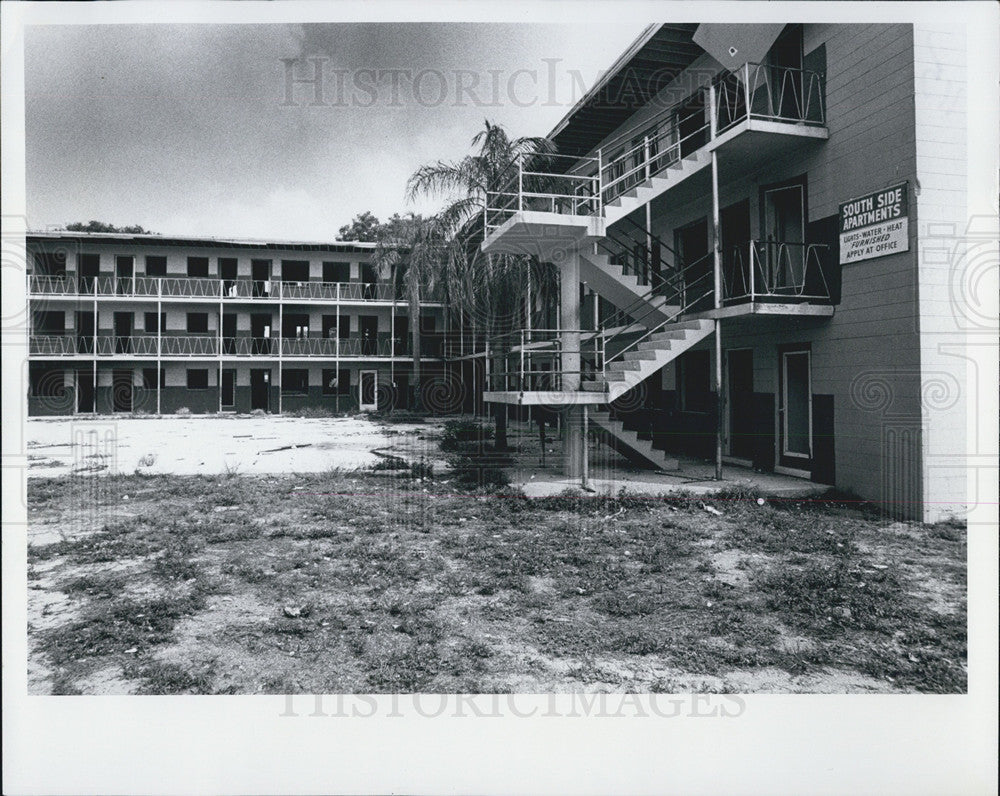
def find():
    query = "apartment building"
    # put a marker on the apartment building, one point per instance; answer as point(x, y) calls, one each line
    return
point(770, 217)
point(148, 323)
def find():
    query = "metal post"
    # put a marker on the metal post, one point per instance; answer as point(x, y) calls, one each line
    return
point(336, 399)
point(159, 339)
point(717, 274)
point(520, 182)
point(600, 183)
point(522, 382)
point(96, 324)
point(645, 148)
point(281, 327)
point(219, 385)
point(586, 451)
point(746, 87)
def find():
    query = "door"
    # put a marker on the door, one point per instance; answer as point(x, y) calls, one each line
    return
point(123, 332)
point(401, 335)
point(691, 125)
point(124, 270)
point(368, 391)
point(795, 411)
point(370, 278)
point(228, 333)
point(736, 259)
point(260, 332)
point(368, 326)
point(90, 267)
point(227, 272)
point(260, 389)
point(84, 332)
point(784, 227)
point(692, 246)
point(85, 391)
point(228, 388)
point(785, 67)
point(260, 273)
point(739, 377)
point(121, 390)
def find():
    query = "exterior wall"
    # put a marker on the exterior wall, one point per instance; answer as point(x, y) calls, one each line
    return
point(942, 217)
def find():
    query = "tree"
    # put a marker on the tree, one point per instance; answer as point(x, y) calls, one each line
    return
point(409, 252)
point(489, 286)
point(101, 226)
point(365, 228)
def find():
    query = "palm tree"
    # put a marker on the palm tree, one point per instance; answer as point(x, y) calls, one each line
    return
point(489, 287)
point(409, 251)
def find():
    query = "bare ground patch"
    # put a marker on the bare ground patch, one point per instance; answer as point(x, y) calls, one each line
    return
point(358, 583)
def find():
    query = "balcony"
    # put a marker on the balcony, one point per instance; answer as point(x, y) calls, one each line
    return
point(778, 278)
point(527, 367)
point(541, 202)
point(215, 290)
point(208, 346)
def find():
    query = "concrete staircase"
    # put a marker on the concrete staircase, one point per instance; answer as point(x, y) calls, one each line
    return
point(639, 363)
point(629, 445)
point(636, 197)
point(623, 290)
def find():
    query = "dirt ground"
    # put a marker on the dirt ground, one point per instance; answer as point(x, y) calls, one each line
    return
point(217, 444)
point(392, 580)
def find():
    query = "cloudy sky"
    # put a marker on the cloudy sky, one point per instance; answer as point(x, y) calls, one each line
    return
point(197, 129)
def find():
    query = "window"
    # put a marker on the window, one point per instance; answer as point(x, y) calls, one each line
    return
point(150, 382)
point(694, 378)
point(156, 265)
point(197, 267)
point(50, 322)
point(197, 323)
point(150, 323)
point(50, 263)
point(46, 382)
point(294, 381)
point(336, 272)
point(294, 270)
point(197, 379)
point(331, 381)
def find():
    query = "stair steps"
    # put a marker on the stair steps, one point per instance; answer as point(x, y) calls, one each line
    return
point(630, 444)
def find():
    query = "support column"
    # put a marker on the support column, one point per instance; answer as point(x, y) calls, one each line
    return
point(569, 320)
point(717, 273)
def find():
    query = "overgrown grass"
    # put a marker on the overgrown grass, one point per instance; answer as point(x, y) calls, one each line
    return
point(353, 582)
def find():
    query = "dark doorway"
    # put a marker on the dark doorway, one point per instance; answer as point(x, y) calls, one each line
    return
point(691, 124)
point(785, 66)
point(370, 278)
point(401, 335)
point(260, 273)
point(121, 391)
point(260, 389)
point(260, 332)
point(227, 272)
point(736, 256)
point(90, 268)
point(85, 391)
point(228, 333)
point(795, 409)
point(336, 272)
point(740, 396)
point(228, 399)
point(124, 270)
point(84, 332)
point(401, 396)
point(123, 332)
point(368, 327)
point(691, 244)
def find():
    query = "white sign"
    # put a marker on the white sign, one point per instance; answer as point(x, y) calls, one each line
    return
point(875, 225)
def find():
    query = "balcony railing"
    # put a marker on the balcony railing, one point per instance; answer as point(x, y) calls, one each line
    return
point(532, 359)
point(771, 93)
point(148, 287)
point(149, 346)
point(583, 186)
point(773, 270)
point(546, 183)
